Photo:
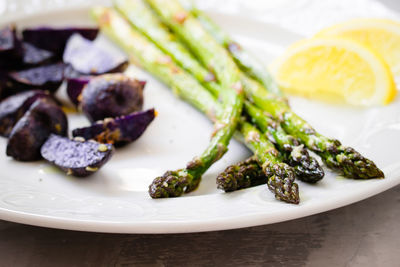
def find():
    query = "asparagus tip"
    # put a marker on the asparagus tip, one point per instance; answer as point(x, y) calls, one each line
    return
point(281, 182)
point(242, 175)
point(171, 184)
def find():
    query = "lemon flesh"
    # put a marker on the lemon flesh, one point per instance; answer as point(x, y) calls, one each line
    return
point(382, 35)
point(335, 70)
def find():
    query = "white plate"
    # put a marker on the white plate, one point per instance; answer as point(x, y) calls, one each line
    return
point(116, 199)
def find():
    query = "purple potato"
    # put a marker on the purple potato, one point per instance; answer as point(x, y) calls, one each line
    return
point(34, 56)
point(76, 157)
point(55, 39)
point(75, 87)
point(14, 107)
point(112, 95)
point(48, 77)
point(90, 58)
point(10, 47)
point(118, 131)
point(31, 131)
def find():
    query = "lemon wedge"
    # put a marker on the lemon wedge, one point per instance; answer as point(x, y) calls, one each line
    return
point(383, 35)
point(335, 70)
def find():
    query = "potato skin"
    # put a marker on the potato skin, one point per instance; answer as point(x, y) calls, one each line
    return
point(31, 131)
point(118, 131)
point(111, 95)
point(14, 107)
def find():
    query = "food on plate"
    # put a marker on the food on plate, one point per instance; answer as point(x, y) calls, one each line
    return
point(217, 59)
point(382, 35)
point(88, 57)
point(111, 95)
point(119, 130)
point(55, 39)
point(31, 131)
point(48, 77)
point(335, 69)
point(33, 56)
point(188, 178)
point(76, 157)
point(340, 158)
point(140, 15)
point(294, 153)
point(246, 62)
point(10, 47)
point(245, 174)
point(14, 107)
point(75, 87)
point(171, 184)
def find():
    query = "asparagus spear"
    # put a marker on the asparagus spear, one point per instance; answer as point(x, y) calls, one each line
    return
point(147, 55)
point(280, 175)
point(219, 62)
point(174, 183)
point(247, 63)
point(140, 15)
point(306, 167)
point(336, 156)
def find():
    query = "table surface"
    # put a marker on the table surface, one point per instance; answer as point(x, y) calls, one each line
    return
point(362, 234)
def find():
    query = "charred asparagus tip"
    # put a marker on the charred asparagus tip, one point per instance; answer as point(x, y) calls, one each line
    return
point(281, 182)
point(172, 184)
point(242, 175)
point(306, 167)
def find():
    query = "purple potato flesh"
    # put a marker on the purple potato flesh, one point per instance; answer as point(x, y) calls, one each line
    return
point(10, 47)
point(34, 56)
point(79, 158)
point(112, 95)
point(75, 87)
point(14, 107)
point(55, 39)
point(90, 58)
point(48, 77)
point(120, 130)
point(32, 130)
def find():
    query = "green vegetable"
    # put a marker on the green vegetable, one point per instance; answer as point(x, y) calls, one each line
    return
point(146, 54)
point(336, 156)
point(144, 19)
point(216, 58)
point(306, 167)
point(247, 63)
point(245, 174)
point(140, 15)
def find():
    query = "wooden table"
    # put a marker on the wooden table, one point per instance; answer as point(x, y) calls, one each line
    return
point(363, 234)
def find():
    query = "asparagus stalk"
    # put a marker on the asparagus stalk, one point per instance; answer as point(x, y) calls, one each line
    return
point(306, 167)
point(336, 156)
point(140, 15)
point(147, 55)
point(220, 63)
point(280, 175)
point(247, 63)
